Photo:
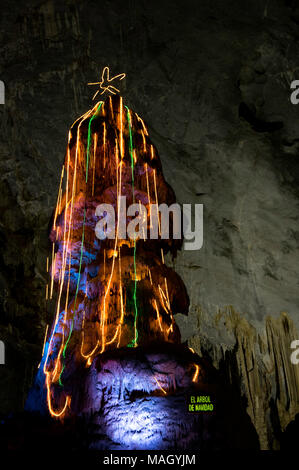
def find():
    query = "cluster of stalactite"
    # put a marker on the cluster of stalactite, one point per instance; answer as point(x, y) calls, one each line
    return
point(261, 362)
point(114, 292)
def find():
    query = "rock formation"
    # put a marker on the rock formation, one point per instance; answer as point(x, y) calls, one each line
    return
point(115, 292)
point(210, 90)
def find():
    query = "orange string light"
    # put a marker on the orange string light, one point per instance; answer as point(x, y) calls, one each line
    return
point(157, 203)
point(160, 386)
point(195, 376)
point(95, 143)
point(158, 315)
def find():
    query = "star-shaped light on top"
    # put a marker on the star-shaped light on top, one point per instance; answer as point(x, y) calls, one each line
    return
point(105, 83)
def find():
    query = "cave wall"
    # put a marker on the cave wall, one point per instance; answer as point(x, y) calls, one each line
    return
point(212, 81)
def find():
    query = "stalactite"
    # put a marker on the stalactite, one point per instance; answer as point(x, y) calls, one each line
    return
point(262, 362)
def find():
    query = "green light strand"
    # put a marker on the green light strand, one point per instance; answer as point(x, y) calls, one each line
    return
point(59, 380)
point(89, 137)
point(82, 241)
point(134, 341)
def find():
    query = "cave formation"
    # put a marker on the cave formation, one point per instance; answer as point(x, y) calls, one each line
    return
point(113, 356)
point(114, 327)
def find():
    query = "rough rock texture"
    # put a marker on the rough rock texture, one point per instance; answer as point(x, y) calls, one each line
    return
point(138, 399)
point(259, 363)
point(111, 292)
point(140, 403)
point(212, 81)
point(130, 410)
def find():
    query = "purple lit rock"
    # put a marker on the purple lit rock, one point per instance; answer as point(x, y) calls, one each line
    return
point(140, 402)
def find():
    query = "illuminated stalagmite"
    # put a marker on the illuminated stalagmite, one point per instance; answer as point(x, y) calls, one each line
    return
point(115, 296)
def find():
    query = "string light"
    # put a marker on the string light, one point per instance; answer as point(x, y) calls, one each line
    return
point(89, 138)
point(106, 334)
point(104, 83)
point(158, 315)
point(95, 143)
point(134, 341)
point(160, 386)
point(65, 251)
